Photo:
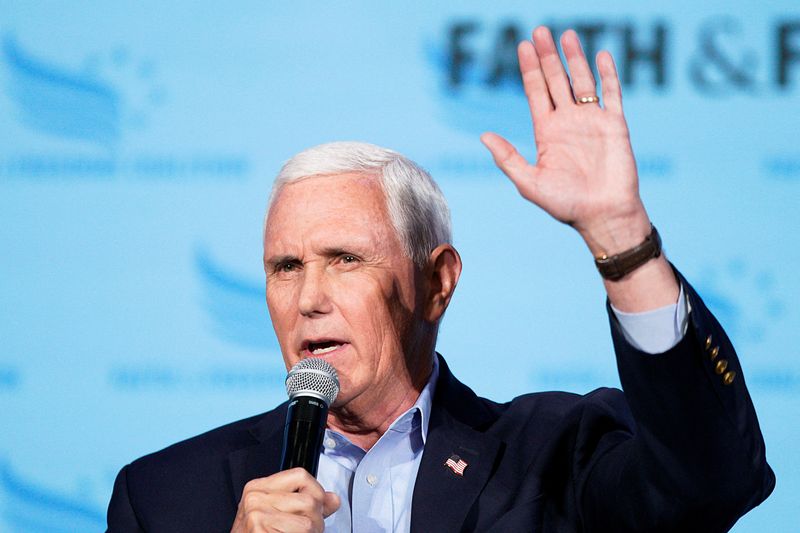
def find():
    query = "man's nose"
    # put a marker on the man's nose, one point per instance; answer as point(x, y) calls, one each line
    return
point(314, 298)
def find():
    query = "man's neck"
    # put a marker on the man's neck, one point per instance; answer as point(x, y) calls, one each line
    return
point(364, 422)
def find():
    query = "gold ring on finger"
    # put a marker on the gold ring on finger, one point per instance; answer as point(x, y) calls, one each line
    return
point(593, 99)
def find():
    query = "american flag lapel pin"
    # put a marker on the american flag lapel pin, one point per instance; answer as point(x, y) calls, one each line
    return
point(456, 464)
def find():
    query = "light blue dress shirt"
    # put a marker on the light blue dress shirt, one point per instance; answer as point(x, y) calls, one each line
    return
point(376, 486)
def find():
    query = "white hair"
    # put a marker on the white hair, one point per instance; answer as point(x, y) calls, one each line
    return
point(417, 208)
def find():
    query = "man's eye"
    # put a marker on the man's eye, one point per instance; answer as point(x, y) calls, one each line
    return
point(286, 267)
point(347, 258)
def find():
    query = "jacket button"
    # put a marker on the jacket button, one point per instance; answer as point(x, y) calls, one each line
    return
point(728, 378)
point(722, 364)
point(714, 352)
point(708, 342)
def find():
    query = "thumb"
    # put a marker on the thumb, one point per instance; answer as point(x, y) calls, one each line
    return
point(330, 504)
point(513, 165)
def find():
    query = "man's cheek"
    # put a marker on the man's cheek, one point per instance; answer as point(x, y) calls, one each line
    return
point(279, 305)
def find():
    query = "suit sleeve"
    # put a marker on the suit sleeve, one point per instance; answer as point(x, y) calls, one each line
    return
point(121, 516)
point(696, 459)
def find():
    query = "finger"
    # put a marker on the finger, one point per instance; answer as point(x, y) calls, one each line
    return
point(283, 507)
point(288, 523)
point(330, 504)
point(293, 503)
point(284, 502)
point(509, 160)
point(554, 74)
point(612, 92)
point(533, 81)
point(580, 73)
point(295, 480)
point(276, 521)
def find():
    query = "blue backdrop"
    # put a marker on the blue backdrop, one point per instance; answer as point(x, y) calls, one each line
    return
point(138, 141)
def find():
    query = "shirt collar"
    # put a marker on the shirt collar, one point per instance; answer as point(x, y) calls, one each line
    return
point(425, 401)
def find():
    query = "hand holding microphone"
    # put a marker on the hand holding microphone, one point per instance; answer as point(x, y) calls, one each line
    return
point(293, 500)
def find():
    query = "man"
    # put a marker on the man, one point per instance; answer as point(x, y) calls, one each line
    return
point(360, 271)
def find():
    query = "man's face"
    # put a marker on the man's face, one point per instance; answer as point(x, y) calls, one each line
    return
point(339, 285)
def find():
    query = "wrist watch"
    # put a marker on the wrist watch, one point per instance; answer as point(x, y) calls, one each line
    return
point(618, 266)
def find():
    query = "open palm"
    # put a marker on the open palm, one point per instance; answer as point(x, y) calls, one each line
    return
point(585, 173)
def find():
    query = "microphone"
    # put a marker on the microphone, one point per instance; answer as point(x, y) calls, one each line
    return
point(312, 386)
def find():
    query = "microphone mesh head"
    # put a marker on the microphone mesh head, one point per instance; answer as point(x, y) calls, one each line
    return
point(313, 377)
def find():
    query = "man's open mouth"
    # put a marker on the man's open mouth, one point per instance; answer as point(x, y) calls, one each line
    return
point(322, 347)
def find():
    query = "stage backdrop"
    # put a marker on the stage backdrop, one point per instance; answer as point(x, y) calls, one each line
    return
point(138, 141)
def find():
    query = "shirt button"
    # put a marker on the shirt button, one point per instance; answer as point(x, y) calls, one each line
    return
point(330, 443)
point(372, 479)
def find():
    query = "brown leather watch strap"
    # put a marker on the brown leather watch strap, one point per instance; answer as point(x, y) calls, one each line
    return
point(620, 265)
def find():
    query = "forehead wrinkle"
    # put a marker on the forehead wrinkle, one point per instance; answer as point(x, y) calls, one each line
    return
point(365, 178)
point(348, 182)
point(295, 199)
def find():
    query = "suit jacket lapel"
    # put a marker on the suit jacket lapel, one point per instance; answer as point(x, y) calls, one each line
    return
point(262, 458)
point(442, 498)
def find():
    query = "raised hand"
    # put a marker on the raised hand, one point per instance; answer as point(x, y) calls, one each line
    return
point(585, 173)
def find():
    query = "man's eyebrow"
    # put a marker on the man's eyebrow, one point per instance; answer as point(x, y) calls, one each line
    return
point(332, 251)
point(278, 259)
point(352, 244)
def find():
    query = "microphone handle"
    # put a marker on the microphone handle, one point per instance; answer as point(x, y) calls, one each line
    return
point(303, 434)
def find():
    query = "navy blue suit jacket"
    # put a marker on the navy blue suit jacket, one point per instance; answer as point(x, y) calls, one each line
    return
point(679, 450)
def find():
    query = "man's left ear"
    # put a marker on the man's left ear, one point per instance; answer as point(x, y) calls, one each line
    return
point(443, 271)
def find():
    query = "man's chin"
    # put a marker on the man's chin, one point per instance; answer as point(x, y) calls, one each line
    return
point(347, 401)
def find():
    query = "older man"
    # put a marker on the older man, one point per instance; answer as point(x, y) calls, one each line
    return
point(360, 271)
